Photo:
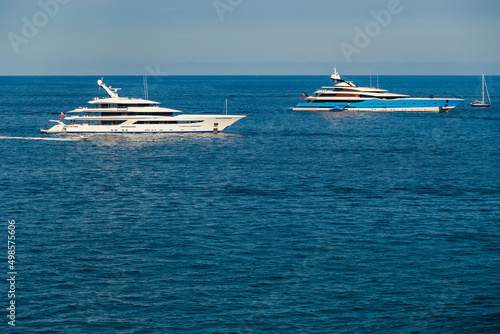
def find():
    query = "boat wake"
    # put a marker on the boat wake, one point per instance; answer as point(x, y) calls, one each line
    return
point(40, 138)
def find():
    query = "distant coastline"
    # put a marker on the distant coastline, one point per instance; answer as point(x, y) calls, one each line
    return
point(268, 68)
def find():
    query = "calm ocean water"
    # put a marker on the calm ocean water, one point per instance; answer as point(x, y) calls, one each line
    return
point(289, 222)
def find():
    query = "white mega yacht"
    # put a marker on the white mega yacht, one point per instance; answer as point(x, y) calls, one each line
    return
point(115, 114)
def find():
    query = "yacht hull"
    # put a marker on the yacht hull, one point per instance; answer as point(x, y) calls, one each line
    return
point(480, 105)
point(377, 105)
point(208, 125)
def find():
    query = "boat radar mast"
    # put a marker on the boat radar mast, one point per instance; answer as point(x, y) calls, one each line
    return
point(336, 76)
point(112, 92)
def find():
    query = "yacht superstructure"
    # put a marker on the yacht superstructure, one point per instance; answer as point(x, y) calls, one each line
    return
point(115, 114)
point(345, 95)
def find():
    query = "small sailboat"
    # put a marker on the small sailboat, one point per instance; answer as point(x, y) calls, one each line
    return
point(483, 103)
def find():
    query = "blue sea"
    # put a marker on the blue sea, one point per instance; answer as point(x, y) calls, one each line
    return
point(288, 222)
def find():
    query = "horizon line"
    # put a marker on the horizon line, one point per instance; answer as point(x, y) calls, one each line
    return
point(237, 75)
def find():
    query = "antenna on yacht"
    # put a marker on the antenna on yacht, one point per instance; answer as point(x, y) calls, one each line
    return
point(377, 80)
point(335, 76)
point(145, 82)
point(226, 106)
point(112, 92)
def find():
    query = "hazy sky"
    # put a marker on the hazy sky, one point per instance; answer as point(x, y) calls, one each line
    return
point(102, 37)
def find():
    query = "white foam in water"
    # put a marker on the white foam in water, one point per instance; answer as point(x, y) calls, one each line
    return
point(41, 138)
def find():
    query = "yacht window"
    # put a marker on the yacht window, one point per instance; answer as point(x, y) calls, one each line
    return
point(167, 122)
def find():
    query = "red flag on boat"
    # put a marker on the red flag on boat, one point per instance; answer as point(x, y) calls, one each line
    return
point(62, 115)
point(304, 96)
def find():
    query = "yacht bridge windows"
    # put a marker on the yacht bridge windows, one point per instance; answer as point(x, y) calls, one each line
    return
point(167, 122)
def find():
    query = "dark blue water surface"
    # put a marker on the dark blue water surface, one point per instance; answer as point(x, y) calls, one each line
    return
point(288, 222)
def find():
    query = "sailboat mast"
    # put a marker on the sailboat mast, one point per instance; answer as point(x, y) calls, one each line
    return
point(483, 88)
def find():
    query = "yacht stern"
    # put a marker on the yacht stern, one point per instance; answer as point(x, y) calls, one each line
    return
point(60, 127)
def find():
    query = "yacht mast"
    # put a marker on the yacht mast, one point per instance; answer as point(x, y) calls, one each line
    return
point(482, 86)
point(112, 92)
point(485, 87)
point(489, 100)
point(146, 91)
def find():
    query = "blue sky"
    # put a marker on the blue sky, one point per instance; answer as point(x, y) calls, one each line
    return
point(103, 37)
